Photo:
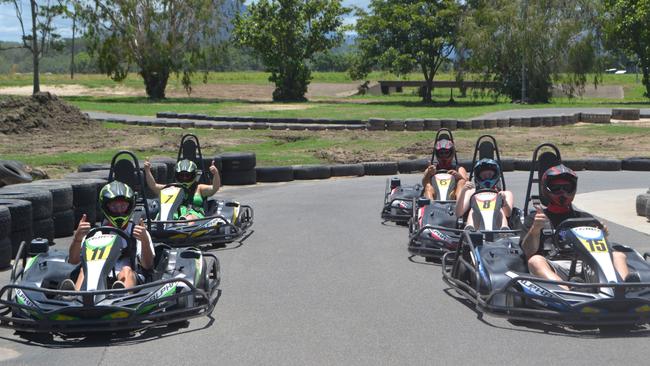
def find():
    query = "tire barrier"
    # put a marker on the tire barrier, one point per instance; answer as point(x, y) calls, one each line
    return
point(62, 205)
point(91, 167)
point(575, 164)
point(13, 172)
point(238, 161)
point(239, 177)
point(603, 164)
point(5, 240)
point(636, 164)
point(41, 200)
point(44, 228)
point(274, 174)
point(409, 166)
point(170, 164)
point(507, 165)
point(301, 172)
point(372, 124)
point(347, 170)
point(380, 168)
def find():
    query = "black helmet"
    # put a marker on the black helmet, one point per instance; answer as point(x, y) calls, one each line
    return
point(486, 164)
point(117, 201)
point(186, 173)
point(558, 185)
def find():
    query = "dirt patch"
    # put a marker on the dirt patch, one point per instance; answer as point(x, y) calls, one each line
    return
point(40, 111)
point(68, 90)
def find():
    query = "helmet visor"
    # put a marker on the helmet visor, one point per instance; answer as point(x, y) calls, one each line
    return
point(185, 177)
point(118, 207)
point(444, 153)
point(561, 185)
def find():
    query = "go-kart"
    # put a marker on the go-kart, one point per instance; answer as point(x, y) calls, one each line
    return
point(493, 273)
point(434, 227)
point(224, 221)
point(398, 198)
point(182, 285)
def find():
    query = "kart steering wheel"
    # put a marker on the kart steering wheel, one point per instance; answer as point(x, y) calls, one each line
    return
point(569, 224)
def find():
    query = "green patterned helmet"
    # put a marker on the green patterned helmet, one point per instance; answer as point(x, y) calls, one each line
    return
point(117, 201)
point(186, 173)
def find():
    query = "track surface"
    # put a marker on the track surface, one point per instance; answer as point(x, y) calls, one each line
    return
point(322, 281)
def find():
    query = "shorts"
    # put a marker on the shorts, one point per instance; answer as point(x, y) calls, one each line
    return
point(185, 211)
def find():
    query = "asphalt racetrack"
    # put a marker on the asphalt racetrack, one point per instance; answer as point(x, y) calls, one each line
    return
point(321, 281)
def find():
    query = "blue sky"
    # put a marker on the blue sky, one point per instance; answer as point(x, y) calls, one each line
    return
point(10, 28)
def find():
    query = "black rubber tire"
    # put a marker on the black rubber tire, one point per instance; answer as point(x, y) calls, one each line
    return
point(5, 222)
point(5, 253)
point(238, 161)
point(44, 229)
point(507, 165)
point(64, 223)
point(274, 173)
point(302, 172)
point(523, 165)
point(84, 191)
point(41, 200)
point(169, 162)
point(347, 170)
point(17, 237)
point(62, 196)
point(159, 172)
point(91, 167)
point(79, 176)
point(575, 164)
point(21, 213)
point(636, 164)
point(409, 166)
point(642, 203)
point(239, 178)
point(610, 165)
point(99, 174)
point(89, 210)
point(13, 172)
point(380, 168)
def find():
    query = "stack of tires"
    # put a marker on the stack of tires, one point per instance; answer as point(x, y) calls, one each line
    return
point(21, 223)
point(5, 238)
point(41, 223)
point(238, 168)
point(62, 205)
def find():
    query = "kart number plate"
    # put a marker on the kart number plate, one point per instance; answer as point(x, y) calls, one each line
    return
point(592, 239)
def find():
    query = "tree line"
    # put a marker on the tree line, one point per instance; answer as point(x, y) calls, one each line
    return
point(526, 47)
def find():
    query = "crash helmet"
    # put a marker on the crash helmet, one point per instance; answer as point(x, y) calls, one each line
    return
point(186, 173)
point(117, 201)
point(558, 186)
point(444, 150)
point(482, 178)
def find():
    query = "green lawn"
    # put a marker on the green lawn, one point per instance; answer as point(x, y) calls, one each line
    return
point(392, 106)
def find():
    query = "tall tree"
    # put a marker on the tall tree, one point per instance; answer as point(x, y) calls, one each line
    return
point(530, 46)
point(286, 34)
point(42, 34)
point(156, 37)
point(628, 29)
point(402, 35)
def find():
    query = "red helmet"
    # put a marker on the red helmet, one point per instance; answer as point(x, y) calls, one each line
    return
point(444, 150)
point(558, 186)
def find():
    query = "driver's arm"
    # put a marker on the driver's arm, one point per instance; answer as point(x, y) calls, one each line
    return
point(462, 203)
point(530, 242)
point(146, 252)
point(151, 181)
point(74, 253)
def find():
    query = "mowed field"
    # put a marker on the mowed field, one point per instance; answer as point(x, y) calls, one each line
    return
point(331, 95)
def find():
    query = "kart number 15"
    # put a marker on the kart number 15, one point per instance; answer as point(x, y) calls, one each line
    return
point(595, 245)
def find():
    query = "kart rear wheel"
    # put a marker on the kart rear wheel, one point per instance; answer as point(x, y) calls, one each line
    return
point(211, 274)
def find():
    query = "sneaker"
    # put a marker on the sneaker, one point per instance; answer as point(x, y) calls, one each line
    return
point(67, 285)
point(118, 285)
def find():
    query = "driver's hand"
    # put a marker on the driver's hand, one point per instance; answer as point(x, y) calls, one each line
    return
point(82, 229)
point(469, 185)
point(540, 220)
point(454, 173)
point(605, 230)
point(140, 232)
point(147, 165)
point(213, 169)
point(430, 171)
